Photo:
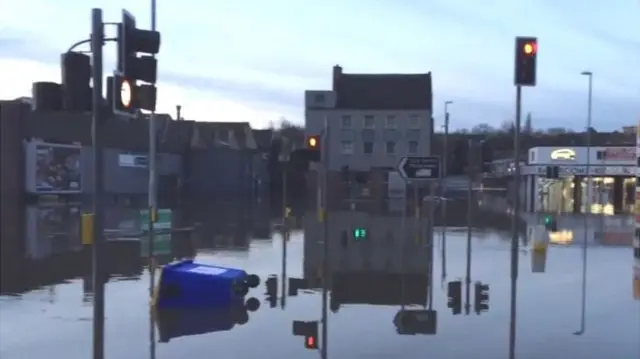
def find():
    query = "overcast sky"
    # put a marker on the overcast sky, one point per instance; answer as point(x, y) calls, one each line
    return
point(252, 60)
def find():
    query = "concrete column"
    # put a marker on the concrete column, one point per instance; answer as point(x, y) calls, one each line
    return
point(577, 194)
point(618, 194)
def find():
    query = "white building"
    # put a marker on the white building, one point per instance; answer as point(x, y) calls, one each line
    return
point(612, 171)
point(373, 119)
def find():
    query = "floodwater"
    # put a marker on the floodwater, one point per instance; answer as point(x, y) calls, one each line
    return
point(52, 312)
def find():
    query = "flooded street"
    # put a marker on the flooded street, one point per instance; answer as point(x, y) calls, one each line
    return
point(52, 311)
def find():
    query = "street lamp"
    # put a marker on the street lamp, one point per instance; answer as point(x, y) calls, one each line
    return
point(589, 74)
point(443, 208)
point(583, 303)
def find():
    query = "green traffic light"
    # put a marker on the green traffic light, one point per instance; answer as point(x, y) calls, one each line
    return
point(359, 233)
point(547, 220)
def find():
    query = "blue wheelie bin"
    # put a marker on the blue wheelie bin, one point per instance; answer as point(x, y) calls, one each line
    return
point(187, 284)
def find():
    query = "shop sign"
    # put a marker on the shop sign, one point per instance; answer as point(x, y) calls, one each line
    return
point(564, 154)
point(619, 154)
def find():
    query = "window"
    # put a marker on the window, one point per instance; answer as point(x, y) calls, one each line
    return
point(391, 122)
point(347, 147)
point(413, 147)
point(346, 121)
point(367, 148)
point(369, 121)
point(414, 121)
point(391, 147)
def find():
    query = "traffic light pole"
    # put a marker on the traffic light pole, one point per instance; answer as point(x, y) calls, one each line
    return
point(97, 39)
point(467, 305)
point(325, 233)
point(153, 171)
point(515, 244)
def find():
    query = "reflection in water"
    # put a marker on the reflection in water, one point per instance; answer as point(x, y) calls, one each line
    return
point(373, 260)
point(378, 284)
point(50, 250)
point(175, 323)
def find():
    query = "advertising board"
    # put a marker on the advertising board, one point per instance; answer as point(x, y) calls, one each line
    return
point(53, 168)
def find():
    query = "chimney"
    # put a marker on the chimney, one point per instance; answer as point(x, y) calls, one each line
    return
point(337, 72)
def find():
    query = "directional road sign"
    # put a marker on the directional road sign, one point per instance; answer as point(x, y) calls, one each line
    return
point(419, 168)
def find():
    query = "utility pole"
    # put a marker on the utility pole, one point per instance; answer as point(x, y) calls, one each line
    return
point(98, 121)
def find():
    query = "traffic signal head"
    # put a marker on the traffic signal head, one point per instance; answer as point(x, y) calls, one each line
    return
point(124, 92)
point(314, 148)
point(550, 223)
point(132, 41)
point(310, 332)
point(359, 233)
point(454, 294)
point(481, 296)
point(310, 342)
point(526, 58)
point(272, 291)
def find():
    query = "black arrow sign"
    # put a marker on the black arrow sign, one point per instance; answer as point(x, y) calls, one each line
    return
point(419, 168)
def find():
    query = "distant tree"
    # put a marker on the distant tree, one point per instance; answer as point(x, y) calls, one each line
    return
point(483, 128)
point(528, 125)
point(507, 126)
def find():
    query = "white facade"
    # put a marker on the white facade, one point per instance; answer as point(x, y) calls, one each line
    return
point(611, 170)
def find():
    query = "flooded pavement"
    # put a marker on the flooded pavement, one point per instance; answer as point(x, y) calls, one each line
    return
point(387, 264)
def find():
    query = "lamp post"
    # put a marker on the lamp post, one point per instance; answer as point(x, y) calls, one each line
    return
point(443, 208)
point(587, 211)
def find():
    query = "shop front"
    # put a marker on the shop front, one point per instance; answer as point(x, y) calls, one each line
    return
point(591, 180)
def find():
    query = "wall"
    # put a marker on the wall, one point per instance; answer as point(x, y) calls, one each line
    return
point(12, 115)
point(314, 123)
point(220, 173)
point(117, 179)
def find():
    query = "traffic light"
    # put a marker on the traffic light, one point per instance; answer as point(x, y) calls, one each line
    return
point(314, 148)
point(132, 67)
point(454, 294)
point(272, 291)
point(309, 330)
point(550, 223)
point(553, 172)
point(481, 294)
point(526, 56)
point(359, 233)
point(124, 91)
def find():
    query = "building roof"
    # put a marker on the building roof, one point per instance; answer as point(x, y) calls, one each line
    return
point(382, 91)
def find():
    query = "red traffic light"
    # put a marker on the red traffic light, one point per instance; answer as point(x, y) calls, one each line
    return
point(530, 48)
point(310, 342)
point(313, 142)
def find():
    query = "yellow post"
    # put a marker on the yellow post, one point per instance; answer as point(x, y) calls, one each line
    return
point(86, 228)
point(153, 214)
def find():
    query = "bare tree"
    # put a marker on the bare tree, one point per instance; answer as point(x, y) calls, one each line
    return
point(482, 128)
